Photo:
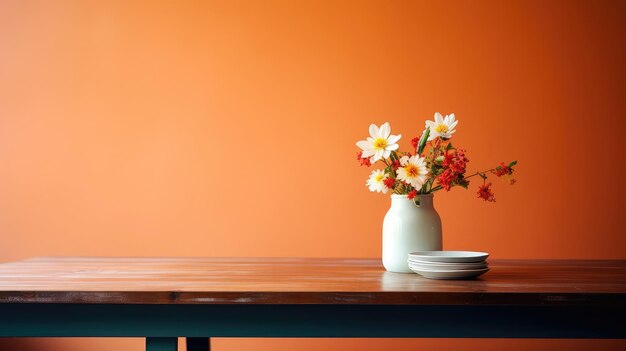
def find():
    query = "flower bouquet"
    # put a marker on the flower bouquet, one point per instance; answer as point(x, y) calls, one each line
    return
point(432, 165)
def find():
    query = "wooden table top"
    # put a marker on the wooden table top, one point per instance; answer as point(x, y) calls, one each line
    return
point(303, 281)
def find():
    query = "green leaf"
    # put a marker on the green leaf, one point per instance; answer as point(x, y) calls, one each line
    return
point(463, 183)
point(393, 156)
point(422, 144)
point(449, 147)
point(512, 164)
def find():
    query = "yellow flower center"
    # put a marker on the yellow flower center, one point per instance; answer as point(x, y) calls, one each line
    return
point(379, 178)
point(441, 128)
point(411, 170)
point(380, 144)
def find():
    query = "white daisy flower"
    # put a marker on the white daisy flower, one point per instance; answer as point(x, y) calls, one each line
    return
point(413, 171)
point(380, 143)
point(442, 126)
point(376, 182)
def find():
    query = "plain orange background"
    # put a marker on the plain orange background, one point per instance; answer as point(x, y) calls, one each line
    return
point(227, 128)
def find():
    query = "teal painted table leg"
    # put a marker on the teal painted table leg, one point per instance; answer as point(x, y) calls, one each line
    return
point(198, 344)
point(161, 344)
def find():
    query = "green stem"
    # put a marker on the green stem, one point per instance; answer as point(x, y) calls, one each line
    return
point(477, 173)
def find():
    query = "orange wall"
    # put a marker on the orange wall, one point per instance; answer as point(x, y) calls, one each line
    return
point(227, 128)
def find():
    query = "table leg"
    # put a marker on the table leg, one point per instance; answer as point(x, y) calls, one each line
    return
point(161, 344)
point(198, 344)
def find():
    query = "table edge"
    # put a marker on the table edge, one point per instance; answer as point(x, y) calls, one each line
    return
point(317, 298)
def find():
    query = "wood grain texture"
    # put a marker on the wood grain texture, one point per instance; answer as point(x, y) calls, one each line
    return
point(303, 281)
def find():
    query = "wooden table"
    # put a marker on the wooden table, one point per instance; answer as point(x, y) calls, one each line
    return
point(165, 298)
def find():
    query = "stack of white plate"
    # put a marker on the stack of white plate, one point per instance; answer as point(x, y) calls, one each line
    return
point(448, 264)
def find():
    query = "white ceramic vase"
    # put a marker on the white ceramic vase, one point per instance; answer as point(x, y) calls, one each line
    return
point(407, 228)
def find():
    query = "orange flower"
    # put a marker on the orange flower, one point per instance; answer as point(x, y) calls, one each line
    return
point(485, 193)
point(363, 161)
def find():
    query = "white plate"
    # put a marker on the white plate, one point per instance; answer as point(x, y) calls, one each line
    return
point(449, 256)
point(448, 266)
point(462, 274)
point(470, 265)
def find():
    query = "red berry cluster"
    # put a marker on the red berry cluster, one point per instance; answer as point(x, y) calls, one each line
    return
point(454, 164)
